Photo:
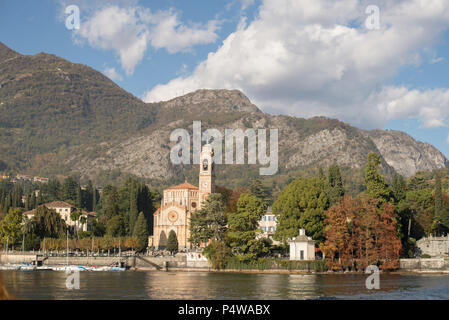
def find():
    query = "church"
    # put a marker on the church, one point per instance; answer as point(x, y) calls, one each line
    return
point(179, 202)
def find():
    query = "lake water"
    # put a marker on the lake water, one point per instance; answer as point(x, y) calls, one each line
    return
point(205, 285)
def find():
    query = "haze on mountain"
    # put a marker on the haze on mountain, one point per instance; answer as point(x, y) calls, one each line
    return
point(57, 117)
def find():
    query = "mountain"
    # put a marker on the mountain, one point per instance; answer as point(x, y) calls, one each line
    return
point(48, 104)
point(57, 117)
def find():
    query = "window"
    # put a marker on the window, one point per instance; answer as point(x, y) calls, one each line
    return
point(301, 255)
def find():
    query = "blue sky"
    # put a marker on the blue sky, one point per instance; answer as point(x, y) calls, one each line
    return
point(303, 58)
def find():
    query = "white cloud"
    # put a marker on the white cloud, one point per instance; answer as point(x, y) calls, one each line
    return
point(314, 57)
point(118, 29)
point(169, 33)
point(112, 74)
point(435, 60)
point(129, 31)
point(246, 3)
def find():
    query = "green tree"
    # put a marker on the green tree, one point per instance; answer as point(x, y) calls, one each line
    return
point(133, 213)
point(172, 242)
point(376, 186)
point(335, 181)
point(141, 232)
point(218, 254)
point(257, 189)
point(110, 201)
point(209, 223)
point(399, 188)
point(441, 217)
point(243, 227)
point(49, 223)
point(10, 226)
point(115, 227)
point(75, 216)
point(301, 204)
point(70, 189)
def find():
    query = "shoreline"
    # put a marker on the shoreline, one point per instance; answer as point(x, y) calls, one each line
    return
point(282, 271)
point(257, 271)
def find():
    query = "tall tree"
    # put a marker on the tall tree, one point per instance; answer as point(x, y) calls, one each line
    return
point(10, 226)
point(49, 224)
point(336, 190)
point(133, 213)
point(115, 227)
point(172, 242)
point(361, 232)
point(209, 223)
point(301, 204)
point(441, 216)
point(399, 188)
point(243, 226)
point(70, 189)
point(259, 190)
point(141, 232)
point(376, 186)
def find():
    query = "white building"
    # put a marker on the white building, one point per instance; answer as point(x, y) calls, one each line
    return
point(64, 209)
point(302, 247)
point(268, 224)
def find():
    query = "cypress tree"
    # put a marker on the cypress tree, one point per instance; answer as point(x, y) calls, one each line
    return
point(376, 186)
point(141, 232)
point(335, 180)
point(441, 214)
point(133, 213)
point(398, 188)
point(33, 201)
point(172, 242)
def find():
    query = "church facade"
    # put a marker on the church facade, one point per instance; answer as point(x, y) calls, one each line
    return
point(179, 202)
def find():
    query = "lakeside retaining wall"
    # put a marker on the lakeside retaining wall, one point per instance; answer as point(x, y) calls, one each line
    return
point(139, 262)
point(423, 265)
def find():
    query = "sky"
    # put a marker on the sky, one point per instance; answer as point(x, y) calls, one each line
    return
point(385, 67)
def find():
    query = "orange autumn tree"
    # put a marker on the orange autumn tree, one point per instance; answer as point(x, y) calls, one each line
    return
point(359, 234)
point(338, 245)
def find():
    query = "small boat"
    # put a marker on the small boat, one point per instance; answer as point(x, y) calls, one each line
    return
point(25, 266)
point(10, 267)
point(117, 269)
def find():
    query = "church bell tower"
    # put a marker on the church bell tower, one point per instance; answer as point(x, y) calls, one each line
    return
point(207, 174)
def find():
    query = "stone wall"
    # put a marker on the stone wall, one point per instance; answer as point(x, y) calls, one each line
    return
point(438, 264)
point(182, 260)
point(13, 258)
point(434, 246)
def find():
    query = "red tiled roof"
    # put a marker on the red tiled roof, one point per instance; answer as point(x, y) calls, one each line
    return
point(30, 212)
point(184, 185)
point(58, 204)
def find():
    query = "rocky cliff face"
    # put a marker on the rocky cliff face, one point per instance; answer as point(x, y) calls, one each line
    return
point(406, 155)
point(311, 143)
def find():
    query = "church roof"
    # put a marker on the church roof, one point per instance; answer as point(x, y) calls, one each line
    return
point(184, 185)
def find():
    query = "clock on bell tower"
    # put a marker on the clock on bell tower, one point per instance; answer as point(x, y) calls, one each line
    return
point(207, 174)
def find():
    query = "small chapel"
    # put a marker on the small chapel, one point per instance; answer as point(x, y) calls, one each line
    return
point(179, 202)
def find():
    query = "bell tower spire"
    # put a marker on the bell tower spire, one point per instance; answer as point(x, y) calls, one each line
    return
point(207, 174)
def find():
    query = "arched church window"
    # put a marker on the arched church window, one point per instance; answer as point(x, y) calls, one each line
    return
point(205, 164)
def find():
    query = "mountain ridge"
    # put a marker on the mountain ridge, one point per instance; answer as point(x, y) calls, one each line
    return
point(58, 117)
